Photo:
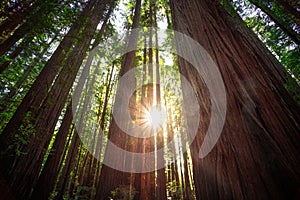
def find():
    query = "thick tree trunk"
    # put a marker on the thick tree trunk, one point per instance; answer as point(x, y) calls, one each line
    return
point(46, 181)
point(257, 155)
point(38, 91)
point(45, 119)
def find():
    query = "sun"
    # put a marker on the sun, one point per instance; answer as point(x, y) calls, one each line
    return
point(156, 117)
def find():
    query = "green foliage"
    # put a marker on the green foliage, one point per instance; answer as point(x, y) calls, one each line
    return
point(22, 138)
point(84, 192)
point(175, 190)
point(123, 192)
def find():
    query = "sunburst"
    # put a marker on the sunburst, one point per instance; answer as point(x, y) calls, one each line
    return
point(156, 117)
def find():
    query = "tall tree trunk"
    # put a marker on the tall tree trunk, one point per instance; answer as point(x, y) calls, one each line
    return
point(283, 25)
point(147, 179)
point(33, 23)
point(69, 166)
point(16, 17)
point(101, 120)
point(46, 181)
point(45, 119)
point(112, 178)
point(161, 176)
point(257, 158)
point(291, 11)
point(38, 91)
point(92, 175)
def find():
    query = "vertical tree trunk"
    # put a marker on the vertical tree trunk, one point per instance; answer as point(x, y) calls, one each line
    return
point(69, 166)
point(112, 178)
point(45, 119)
point(101, 118)
point(147, 181)
point(257, 154)
point(161, 176)
point(38, 91)
point(47, 178)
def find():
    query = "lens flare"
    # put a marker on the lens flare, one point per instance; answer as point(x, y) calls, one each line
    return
point(156, 117)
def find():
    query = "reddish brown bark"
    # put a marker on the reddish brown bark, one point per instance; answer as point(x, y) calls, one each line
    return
point(46, 181)
point(111, 178)
point(257, 154)
point(45, 119)
point(70, 164)
point(38, 92)
point(30, 27)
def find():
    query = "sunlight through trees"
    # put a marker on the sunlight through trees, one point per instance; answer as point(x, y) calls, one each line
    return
point(124, 99)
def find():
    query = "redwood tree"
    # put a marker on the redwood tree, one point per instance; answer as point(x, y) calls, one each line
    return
point(257, 155)
point(43, 112)
point(111, 178)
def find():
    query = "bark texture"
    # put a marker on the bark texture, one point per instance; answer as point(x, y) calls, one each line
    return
point(45, 112)
point(110, 179)
point(257, 155)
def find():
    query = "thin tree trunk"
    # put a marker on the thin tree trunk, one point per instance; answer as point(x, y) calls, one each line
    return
point(69, 165)
point(15, 18)
point(147, 183)
point(161, 176)
point(292, 12)
point(285, 27)
point(79, 128)
point(111, 178)
point(101, 119)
